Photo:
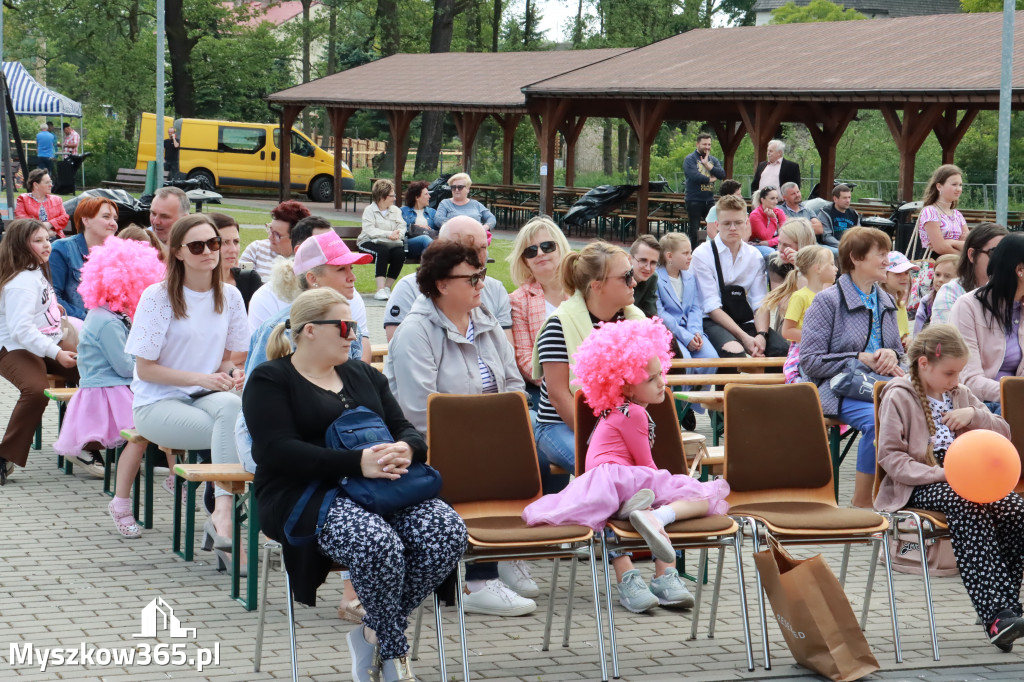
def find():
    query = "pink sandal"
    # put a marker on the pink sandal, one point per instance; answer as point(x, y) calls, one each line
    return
point(125, 522)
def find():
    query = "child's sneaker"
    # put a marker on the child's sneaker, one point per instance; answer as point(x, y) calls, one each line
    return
point(671, 591)
point(1005, 629)
point(634, 594)
point(651, 530)
point(643, 499)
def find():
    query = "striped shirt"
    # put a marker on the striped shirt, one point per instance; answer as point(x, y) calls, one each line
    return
point(262, 257)
point(486, 376)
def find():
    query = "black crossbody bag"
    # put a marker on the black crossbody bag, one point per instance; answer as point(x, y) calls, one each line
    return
point(734, 298)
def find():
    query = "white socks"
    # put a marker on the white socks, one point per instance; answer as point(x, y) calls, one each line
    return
point(665, 515)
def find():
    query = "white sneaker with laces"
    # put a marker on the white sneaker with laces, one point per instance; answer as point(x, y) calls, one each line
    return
point(516, 575)
point(381, 295)
point(495, 599)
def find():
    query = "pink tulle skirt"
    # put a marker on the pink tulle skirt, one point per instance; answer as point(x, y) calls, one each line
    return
point(593, 498)
point(95, 414)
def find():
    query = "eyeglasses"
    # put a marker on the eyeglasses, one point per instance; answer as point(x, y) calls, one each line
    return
point(196, 247)
point(473, 279)
point(457, 188)
point(626, 277)
point(346, 327)
point(531, 251)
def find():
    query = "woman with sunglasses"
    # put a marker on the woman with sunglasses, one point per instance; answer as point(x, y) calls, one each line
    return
point(534, 266)
point(182, 337)
point(395, 561)
point(461, 204)
point(765, 221)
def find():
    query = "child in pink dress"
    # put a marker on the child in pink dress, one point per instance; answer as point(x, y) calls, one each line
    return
point(621, 368)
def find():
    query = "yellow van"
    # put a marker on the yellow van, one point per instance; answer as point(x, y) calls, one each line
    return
point(244, 155)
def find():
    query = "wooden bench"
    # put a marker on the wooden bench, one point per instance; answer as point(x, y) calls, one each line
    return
point(155, 455)
point(232, 478)
point(61, 396)
point(129, 178)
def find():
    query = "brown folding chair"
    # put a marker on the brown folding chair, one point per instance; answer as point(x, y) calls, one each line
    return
point(483, 446)
point(702, 533)
point(1011, 397)
point(778, 466)
point(931, 526)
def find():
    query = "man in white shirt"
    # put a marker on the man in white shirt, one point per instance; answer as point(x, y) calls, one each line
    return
point(169, 204)
point(739, 276)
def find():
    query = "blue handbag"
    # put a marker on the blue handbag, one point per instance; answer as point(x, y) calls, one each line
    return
point(357, 429)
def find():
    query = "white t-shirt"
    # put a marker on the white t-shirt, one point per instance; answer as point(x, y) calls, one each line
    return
point(677, 286)
point(358, 307)
point(29, 316)
point(193, 344)
point(264, 305)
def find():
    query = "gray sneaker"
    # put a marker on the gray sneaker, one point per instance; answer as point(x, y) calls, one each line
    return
point(362, 652)
point(634, 594)
point(671, 591)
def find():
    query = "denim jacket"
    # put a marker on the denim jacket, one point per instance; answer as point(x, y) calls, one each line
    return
point(102, 361)
point(66, 261)
point(409, 215)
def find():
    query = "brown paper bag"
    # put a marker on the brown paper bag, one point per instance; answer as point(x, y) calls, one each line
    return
point(814, 615)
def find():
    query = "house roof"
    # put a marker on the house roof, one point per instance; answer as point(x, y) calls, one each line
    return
point(276, 13)
point(923, 58)
point(900, 8)
point(487, 81)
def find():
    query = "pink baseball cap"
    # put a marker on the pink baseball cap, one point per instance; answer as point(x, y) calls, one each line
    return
point(326, 249)
point(899, 263)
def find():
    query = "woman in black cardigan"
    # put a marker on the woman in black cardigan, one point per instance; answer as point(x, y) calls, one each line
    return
point(289, 403)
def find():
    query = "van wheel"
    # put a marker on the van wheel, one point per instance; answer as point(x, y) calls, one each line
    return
point(322, 189)
point(201, 173)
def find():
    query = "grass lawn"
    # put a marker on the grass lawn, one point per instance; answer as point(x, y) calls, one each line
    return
point(499, 250)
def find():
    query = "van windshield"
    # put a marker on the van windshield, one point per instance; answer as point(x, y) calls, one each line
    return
point(300, 145)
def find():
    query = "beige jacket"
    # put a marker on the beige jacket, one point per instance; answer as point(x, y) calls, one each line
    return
point(377, 227)
point(987, 343)
point(903, 440)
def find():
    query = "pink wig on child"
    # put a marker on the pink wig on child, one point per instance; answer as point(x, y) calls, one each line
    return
point(117, 272)
point(617, 354)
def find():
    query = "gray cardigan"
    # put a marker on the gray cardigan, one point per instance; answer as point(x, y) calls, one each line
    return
point(428, 355)
point(836, 328)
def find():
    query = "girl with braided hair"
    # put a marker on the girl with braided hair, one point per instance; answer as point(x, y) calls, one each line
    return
point(919, 416)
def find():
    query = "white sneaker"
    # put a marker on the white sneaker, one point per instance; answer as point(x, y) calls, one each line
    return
point(381, 295)
point(516, 575)
point(495, 599)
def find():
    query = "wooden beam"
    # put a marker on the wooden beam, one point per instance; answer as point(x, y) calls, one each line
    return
point(729, 134)
point(826, 124)
point(645, 117)
point(761, 120)
point(398, 123)
point(909, 134)
point(509, 123)
point(571, 129)
point(950, 133)
point(467, 125)
point(545, 124)
point(289, 113)
point(339, 117)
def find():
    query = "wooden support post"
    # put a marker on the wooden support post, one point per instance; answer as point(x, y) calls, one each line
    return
point(827, 125)
point(339, 117)
point(398, 122)
point(467, 124)
point(545, 125)
point(571, 129)
point(645, 117)
point(950, 133)
point(761, 120)
point(729, 134)
point(909, 134)
point(289, 113)
point(508, 123)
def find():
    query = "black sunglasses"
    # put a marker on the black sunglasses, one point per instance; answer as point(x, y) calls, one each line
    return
point(346, 327)
point(531, 251)
point(626, 277)
point(473, 279)
point(196, 247)
point(457, 188)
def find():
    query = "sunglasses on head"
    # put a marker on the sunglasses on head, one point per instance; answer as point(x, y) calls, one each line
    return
point(346, 327)
point(196, 247)
point(473, 279)
point(531, 251)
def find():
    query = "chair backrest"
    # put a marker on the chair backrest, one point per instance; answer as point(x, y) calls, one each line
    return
point(1011, 397)
point(668, 439)
point(775, 440)
point(876, 394)
point(483, 446)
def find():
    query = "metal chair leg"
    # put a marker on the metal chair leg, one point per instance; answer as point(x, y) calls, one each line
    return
point(291, 628)
point(608, 595)
point(737, 542)
point(415, 655)
point(440, 637)
point(927, 585)
point(702, 563)
point(597, 616)
point(568, 609)
point(715, 592)
point(842, 567)
point(551, 606)
point(871, 583)
point(760, 596)
point(462, 623)
point(892, 600)
point(267, 549)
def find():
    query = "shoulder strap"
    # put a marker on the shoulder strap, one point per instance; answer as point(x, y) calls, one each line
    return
point(718, 268)
point(300, 506)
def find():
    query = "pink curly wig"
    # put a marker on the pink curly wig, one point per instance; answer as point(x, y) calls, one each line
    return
point(117, 272)
point(617, 354)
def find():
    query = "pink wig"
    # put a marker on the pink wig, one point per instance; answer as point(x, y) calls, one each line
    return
point(617, 354)
point(117, 272)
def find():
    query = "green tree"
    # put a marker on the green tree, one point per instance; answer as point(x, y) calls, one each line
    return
point(986, 5)
point(815, 10)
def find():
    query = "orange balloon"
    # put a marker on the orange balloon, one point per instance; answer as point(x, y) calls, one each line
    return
point(982, 466)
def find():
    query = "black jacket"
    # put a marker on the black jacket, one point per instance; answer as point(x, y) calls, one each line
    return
point(790, 172)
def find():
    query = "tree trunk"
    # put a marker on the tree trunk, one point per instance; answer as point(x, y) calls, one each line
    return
point(432, 122)
point(623, 135)
point(528, 24)
point(306, 124)
point(387, 26)
point(577, 29)
point(606, 148)
point(179, 46)
point(632, 153)
point(495, 25)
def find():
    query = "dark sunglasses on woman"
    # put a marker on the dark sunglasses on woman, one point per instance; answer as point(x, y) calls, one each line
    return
point(473, 279)
point(531, 251)
point(196, 247)
point(346, 327)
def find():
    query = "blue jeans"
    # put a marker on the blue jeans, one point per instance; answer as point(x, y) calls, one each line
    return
point(705, 351)
point(556, 444)
point(860, 414)
point(994, 408)
point(417, 245)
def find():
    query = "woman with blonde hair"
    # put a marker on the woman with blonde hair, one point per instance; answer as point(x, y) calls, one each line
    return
point(461, 204)
point(394, 562)
point(534, 261)
point(383, 236)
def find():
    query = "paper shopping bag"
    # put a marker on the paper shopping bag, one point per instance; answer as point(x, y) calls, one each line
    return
point(814, 615)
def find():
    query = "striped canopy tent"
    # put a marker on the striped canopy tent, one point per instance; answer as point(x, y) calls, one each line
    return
point(32, 99)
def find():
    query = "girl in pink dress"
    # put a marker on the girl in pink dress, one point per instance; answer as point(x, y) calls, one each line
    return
point(621, 368)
